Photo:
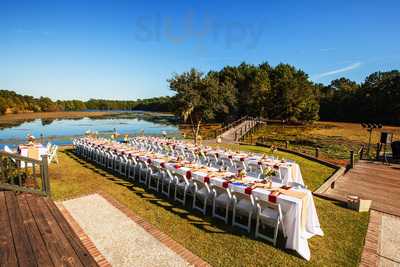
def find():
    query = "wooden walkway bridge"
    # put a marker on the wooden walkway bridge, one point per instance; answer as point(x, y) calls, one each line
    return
point(371, 180)
point(237, 130)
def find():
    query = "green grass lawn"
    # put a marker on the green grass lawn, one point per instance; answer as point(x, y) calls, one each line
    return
point(212, 240)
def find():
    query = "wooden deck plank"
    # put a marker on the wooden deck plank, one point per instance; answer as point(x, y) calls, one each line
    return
point(375, 181)
point(22, 244)
point(369, 189)
point(8, 255)
point(80, 250)
point(32, 230)
point(58, 246)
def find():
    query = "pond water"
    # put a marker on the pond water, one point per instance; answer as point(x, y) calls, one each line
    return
point(61, 131)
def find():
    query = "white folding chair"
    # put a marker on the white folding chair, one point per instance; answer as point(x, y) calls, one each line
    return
point(110, 160)
point(181, 188)
point(143, 172)
point(213, 161)
point(117, 163)
point(228, 164)
point(123, 165)
point(155, 176)
point(167, 181)
point(48, 146)
point(243, 206)
point(53, 154)
point(132, 168)
point(103, 158)
point(8, 150)
point(254, 170)
point(270, 214)
point(222, 199)
point(278, 177)
point(202, 194)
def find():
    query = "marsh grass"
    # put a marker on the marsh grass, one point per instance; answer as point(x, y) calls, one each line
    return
point(335, 140)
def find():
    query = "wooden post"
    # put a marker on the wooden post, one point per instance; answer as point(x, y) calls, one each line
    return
point(351, 159)
point(45, 174)
point(361, 152)
point(317, 152)
point(378, 150)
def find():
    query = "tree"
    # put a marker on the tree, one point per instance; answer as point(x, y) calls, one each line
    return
point(338, 100)
point(3, 105)
point(198, 98)
point(250, 86)
point(380, 95)
point(293, 96)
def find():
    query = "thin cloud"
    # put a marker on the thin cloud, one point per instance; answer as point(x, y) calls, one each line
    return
point(327, 49)
point(345, 69)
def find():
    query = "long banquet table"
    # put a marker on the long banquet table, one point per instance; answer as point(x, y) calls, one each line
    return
point(300, 216)
point(290, 171)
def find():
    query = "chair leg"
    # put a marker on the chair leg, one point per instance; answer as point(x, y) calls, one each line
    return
point(205, 205)
point(257, 226)
point(249, 222)
point(276, 233)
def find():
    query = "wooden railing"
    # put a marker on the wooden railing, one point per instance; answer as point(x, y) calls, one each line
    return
point(18, 173)
point(353, 156)
point(247, 131)
point(228, 126)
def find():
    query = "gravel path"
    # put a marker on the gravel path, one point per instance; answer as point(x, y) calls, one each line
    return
point(121, 241)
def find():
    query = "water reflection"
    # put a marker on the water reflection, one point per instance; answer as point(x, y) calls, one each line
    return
point(61, 131)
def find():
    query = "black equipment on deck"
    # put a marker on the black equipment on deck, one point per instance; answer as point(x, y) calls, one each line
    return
point(386, 138)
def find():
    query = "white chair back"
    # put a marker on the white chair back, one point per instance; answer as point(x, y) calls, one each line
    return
point(8, 150)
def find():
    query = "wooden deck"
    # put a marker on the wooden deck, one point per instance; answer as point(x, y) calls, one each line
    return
point(375, 181)
point(33, 232)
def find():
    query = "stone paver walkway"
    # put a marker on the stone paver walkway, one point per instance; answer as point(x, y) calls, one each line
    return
point(382, 242)
point(389, 243)
point(121, 241)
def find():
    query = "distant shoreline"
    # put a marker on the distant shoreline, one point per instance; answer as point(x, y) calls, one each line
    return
point(10, 118)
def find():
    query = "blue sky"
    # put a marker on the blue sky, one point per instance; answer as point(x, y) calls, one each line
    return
point(128, 49)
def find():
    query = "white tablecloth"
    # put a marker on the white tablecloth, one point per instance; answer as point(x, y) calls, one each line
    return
point(23, 151)
point(290, 171)
point(291, 206)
